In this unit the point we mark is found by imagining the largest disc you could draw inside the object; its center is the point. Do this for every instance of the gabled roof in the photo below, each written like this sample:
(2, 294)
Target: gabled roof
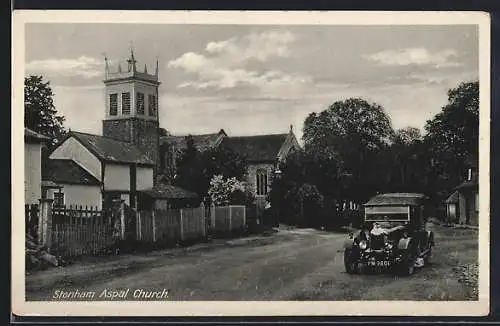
(256, 148)
(169, 191)
(202, 142)
(468, 184)
(33, 136)
(62, 171)
(111, 150)
(396, 199)
(452, 199)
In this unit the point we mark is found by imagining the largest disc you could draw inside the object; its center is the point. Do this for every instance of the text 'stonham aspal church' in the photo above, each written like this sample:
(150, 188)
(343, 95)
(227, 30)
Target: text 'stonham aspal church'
(133, 150)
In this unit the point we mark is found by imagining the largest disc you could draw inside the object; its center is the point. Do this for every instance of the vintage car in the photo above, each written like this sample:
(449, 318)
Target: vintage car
(393, 237)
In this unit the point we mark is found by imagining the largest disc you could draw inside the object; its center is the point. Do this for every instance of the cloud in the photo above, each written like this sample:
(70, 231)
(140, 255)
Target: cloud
(82, 66)
(225, 64)
(415, 56)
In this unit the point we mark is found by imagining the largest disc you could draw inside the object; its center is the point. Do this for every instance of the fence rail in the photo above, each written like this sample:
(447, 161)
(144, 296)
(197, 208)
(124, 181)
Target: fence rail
(78, 230)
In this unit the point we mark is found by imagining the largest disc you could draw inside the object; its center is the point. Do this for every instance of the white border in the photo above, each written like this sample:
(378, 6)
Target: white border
(259, 308)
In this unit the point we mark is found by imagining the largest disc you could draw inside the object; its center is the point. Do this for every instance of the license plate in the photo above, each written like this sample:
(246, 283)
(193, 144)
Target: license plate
(379, 263)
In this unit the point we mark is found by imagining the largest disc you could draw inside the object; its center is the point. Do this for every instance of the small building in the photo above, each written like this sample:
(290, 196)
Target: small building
(452, 209)
(33, 143)
(166, 196)
(68, 184)
(467, 203)
(120, 168)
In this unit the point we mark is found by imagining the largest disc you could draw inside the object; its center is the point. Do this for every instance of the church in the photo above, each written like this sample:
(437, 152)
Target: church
(126, 160)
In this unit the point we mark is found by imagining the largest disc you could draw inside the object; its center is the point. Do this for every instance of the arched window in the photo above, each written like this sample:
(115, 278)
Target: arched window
(261, 182)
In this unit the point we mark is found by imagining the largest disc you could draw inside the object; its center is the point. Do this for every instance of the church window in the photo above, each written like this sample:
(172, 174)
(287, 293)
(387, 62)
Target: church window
(113, 104)
(126, 103)
(140, 103)
(152, 105)
(261, 182)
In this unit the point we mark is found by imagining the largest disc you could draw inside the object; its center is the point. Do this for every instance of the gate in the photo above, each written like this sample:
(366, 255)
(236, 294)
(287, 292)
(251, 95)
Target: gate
(130, 223)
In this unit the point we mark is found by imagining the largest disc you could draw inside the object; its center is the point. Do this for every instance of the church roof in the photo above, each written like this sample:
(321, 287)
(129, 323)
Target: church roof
(260, 148)
(202, 142)
(64, 171)
(109, 149)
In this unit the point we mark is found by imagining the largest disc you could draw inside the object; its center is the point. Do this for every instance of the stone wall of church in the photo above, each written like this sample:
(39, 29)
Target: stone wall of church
(143, 133)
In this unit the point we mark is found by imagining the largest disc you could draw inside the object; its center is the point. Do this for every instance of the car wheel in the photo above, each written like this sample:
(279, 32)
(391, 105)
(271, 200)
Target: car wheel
(350, 264)
(406, 267)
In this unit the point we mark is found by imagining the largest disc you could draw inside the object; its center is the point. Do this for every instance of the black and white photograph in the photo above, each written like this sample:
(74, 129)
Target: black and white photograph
(232, 163)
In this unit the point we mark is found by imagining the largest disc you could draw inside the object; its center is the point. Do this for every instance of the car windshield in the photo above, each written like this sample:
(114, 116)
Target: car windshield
(387, 213)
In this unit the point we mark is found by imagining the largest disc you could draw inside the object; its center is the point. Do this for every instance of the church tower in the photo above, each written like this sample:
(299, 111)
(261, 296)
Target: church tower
(132, 107)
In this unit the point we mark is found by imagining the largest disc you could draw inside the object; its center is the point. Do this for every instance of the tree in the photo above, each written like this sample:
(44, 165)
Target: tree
(453, 136)
(358, 132)
(195, 169)
(405, 160)
(188, 175)
(40, 113)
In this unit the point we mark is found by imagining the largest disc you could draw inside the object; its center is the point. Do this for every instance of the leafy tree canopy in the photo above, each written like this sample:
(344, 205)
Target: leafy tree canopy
(40, 113)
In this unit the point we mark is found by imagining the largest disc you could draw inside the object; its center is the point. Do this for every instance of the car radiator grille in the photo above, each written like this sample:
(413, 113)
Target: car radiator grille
(377, 242)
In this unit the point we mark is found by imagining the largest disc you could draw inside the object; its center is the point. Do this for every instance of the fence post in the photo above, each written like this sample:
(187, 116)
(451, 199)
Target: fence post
(212, 216)
(202, 220)
(230, 218)
(122, 218)
(153, 220)
(182, 226)
(244, 216)
(45, 222)
(138, 226)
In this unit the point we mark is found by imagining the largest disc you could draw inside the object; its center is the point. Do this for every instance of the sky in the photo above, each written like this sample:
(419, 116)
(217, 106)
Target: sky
(255, 79)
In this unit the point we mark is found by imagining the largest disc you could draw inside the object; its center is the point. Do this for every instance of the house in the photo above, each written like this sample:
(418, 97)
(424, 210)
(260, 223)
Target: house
(69, 184)
(463, 203)
(120, 168)
(263, 154)
(33, 143)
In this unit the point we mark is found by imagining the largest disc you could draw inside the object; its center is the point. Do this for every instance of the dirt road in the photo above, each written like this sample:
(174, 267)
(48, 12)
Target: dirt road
(290, 265)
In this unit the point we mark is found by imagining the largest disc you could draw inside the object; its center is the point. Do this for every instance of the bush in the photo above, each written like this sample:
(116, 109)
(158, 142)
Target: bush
(228, 191)
(303, 206)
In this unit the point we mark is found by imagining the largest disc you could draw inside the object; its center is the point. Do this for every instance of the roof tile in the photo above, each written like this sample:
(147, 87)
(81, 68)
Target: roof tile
(108, 149)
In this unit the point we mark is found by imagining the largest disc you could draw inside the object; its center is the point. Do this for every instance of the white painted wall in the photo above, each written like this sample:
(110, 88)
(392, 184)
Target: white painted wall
(144, 178)
(117, 177)
(84, 195)
(73, 149)
(32, 173)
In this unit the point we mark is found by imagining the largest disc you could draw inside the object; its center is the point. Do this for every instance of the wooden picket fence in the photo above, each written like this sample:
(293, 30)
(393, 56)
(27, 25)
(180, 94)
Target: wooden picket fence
(78, 231)
(187, 224)
(171, 226)
(227, 219)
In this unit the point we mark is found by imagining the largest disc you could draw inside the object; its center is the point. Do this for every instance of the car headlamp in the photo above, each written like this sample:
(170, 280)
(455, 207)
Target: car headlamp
(363, 245)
